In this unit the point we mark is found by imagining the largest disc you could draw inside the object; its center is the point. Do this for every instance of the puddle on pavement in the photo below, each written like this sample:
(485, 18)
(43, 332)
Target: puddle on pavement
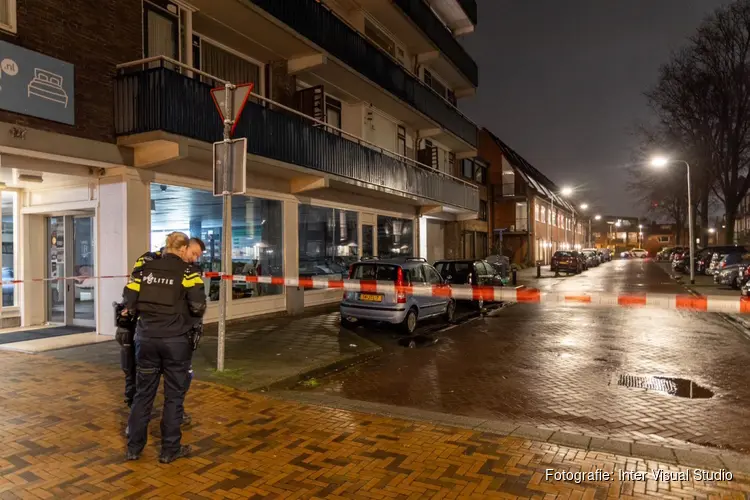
(680, 387)
(418, 341)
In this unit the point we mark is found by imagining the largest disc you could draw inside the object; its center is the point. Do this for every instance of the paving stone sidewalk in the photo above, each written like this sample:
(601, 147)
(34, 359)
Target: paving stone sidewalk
(262, 353)
(61, 428)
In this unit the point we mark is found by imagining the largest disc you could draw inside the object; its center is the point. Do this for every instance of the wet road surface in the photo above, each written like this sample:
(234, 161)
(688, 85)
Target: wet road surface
(560, 366)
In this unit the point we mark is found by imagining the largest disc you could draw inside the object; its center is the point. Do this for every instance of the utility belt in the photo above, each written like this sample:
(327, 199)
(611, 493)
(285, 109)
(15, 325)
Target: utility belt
(125, 324)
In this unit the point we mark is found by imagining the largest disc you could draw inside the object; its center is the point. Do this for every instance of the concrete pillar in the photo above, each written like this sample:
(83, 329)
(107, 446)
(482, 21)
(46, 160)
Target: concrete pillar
(123, 235)
(32, 235)
(295, 296)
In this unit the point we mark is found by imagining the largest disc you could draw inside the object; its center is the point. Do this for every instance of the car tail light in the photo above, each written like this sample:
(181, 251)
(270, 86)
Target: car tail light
(351, 271)
(400, 295)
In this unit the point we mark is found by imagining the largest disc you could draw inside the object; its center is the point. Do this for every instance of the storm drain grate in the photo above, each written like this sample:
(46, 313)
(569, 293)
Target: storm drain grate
(679, 387)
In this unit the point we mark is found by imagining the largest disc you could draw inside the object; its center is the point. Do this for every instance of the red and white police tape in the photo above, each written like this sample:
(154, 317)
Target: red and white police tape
(711, 303)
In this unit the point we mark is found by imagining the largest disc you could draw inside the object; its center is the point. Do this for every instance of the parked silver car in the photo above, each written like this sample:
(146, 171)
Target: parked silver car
(396, 308)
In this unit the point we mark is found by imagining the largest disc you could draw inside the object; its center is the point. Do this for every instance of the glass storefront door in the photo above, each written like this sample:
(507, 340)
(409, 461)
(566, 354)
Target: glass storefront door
(70, 255)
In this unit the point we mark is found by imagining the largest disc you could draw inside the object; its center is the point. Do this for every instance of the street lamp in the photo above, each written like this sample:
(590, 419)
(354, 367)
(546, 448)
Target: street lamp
(660, 162)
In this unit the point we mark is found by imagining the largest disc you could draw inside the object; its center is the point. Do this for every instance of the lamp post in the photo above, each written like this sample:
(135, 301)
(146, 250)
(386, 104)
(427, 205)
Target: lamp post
(596, 217)
(660, 162)
(565, 191)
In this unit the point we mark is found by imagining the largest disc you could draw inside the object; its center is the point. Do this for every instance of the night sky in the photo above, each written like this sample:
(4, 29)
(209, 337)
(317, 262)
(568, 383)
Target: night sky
(562, 82)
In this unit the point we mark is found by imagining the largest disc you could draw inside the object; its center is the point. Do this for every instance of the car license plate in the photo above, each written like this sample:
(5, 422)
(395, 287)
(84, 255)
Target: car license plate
(369, 297)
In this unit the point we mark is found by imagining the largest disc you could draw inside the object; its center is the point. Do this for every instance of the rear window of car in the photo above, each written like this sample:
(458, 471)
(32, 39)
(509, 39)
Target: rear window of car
(562, 254)
(378, 272)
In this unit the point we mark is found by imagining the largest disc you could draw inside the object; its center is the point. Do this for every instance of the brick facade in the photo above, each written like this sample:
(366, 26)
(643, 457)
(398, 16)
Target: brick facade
(95, 36)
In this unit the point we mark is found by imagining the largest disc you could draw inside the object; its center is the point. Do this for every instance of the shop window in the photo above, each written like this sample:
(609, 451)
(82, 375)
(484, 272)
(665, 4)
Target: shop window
(328, 241)
(9, 253)
(395, 237)
(257, 231)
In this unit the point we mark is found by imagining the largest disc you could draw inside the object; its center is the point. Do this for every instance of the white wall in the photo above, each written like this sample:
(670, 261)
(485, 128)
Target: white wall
(435, 240)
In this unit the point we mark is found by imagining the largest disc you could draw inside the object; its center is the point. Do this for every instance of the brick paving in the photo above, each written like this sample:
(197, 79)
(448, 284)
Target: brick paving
(557, 367)
(261, 352)
(61, 428)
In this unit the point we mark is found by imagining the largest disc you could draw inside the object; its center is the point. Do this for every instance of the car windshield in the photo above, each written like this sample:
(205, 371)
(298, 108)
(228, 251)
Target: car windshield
(377, 272)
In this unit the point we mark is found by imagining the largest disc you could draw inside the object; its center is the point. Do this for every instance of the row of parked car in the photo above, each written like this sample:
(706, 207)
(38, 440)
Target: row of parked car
(406, 310)
(575, 262)
(728, 264)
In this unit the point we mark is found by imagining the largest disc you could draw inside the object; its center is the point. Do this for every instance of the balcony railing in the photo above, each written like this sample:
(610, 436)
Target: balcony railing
(162, 99)
(423, 16)
(320, 25)
(470, 8)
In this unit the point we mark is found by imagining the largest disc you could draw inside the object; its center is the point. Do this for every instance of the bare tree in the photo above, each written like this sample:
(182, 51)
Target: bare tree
(703, 96)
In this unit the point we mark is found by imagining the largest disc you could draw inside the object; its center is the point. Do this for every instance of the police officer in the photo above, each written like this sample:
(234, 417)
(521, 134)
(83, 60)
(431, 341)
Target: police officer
(126, 324)
(167, 296)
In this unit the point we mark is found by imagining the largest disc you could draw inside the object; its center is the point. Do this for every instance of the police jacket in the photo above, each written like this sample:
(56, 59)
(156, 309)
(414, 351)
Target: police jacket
(167, 295)
(146, 257)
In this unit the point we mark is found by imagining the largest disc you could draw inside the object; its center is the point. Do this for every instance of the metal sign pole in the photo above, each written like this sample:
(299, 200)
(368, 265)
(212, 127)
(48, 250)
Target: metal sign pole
(226, 227)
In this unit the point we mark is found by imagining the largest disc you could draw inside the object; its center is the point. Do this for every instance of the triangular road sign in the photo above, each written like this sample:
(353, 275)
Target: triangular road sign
(237, 101)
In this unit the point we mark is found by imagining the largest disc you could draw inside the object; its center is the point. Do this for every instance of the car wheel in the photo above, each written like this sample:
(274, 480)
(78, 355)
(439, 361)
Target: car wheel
(557, 274)
(450, 312)
(349, 324)
(737, 283)
(410, 322)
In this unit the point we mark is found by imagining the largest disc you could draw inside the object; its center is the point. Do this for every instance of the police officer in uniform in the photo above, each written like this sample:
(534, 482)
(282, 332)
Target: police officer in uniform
(126, 323)
(167, 296)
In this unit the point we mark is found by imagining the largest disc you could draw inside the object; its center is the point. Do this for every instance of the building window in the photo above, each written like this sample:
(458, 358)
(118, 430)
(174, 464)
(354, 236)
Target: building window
(224, 64)
(257, 229)
(161, 30)
(395, 236)
(8, 15)
(480, 174)
(482, 210)
(544, 215)
(435, 84)
(333, 115)
(522, 217)
(379, 38)
(467, 168)
(9, 200)
(401, 141)
(328, 241)
(536, 212)
(663, 239)
(509, 180)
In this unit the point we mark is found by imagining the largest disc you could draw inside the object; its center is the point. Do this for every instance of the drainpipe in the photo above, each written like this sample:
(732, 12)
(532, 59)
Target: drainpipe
(529, 222)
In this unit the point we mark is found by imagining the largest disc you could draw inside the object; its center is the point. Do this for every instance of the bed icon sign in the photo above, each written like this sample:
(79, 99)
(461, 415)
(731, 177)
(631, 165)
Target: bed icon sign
(48, 85)
(35, 84)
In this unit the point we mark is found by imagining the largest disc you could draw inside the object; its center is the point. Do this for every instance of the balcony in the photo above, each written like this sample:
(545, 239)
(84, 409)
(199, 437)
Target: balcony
(433, 27)
(321, 26)
(470, 8)
(160, 99)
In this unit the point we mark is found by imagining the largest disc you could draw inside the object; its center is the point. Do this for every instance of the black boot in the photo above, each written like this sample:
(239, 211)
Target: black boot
(132, 455)
(184, 451)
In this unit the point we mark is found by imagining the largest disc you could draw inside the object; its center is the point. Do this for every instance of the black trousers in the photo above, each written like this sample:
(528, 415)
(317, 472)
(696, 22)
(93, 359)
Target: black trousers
(128, 365)
(156, 356)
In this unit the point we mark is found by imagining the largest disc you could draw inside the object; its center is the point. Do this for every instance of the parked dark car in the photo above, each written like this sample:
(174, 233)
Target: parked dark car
(469, 272)
(567, 262)
(718, 255)
(732, 272)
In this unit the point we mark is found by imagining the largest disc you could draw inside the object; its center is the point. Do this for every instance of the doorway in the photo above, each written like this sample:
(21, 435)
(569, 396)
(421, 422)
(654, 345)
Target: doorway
(71, 289)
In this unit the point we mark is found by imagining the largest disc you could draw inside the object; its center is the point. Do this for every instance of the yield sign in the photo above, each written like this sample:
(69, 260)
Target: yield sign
(237, 96)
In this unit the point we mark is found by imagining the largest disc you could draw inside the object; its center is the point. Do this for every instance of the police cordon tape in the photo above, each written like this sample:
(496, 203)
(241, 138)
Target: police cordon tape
(700, 303)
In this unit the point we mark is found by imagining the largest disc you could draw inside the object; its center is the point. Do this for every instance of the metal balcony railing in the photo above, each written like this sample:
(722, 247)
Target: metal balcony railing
(159, 98)
(319, 24)
(423, 16)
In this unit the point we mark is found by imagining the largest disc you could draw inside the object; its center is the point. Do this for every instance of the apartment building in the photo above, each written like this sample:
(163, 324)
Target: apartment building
(355, 141)
(529, 218)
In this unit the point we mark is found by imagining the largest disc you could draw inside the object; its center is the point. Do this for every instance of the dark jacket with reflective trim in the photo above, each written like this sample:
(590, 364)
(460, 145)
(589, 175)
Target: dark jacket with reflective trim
(146, 257)
(167, 295)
